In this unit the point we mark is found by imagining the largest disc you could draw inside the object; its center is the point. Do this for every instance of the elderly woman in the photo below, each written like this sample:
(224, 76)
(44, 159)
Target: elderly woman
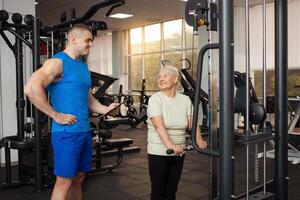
(169, 115)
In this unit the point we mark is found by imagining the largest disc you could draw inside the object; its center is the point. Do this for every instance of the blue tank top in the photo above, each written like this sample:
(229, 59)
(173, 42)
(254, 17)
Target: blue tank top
(69, 95)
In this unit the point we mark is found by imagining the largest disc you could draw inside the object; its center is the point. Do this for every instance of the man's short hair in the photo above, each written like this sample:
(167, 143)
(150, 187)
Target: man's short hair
(81, 27)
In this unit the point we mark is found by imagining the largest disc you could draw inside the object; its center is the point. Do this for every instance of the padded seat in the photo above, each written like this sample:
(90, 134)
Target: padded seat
(118, 143)
(102, 133)
(12, 142)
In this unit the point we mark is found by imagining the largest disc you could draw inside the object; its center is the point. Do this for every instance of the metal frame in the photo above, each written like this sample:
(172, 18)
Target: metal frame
(281, 99)
(226, 98)
(226, 58)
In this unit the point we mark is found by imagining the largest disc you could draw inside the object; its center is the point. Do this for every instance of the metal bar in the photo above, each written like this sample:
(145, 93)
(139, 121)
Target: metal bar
(52, 44)
(113, 7)
(212, 182)
(253, 190)
(247, 171)
(19, 88)
(15, 33)
(256, 163)
(37, 133)
(265, 172)
(247, 38)
(264, 88)
(1, 109)
(7, 166)
(212, 125)
(264, 55)
(202, 52)
(200, 62)
(281, 66)
(9, 44)
(92, 10)
(226, 69)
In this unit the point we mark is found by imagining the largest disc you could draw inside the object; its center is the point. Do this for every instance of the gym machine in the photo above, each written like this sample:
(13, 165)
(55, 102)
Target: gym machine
(104, 145)
(19, 142)
(34, 142)
(196, 12)
(136, 118)
(101, 83)
(293, 134)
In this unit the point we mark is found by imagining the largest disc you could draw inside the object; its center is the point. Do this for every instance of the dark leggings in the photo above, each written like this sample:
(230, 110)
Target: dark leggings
(164, 173)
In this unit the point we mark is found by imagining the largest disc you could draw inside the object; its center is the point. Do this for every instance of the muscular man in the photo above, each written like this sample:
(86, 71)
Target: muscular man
(67, 79)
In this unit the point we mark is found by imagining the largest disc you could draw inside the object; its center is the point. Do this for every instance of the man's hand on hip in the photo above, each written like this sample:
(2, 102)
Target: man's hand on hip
(62, 118)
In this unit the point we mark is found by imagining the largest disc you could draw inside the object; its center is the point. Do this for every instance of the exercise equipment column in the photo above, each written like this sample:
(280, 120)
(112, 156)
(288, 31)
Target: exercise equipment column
(264, 91)
(247, 92)
(213, 122)
(281, 128)
(226, 58)
(37, 132)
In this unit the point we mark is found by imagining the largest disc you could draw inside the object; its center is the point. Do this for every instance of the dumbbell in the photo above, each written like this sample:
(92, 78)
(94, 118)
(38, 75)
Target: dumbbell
(17, 18)
(3, 15)
(28, 19)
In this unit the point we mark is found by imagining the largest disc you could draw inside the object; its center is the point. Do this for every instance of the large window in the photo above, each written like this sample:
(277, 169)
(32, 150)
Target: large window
(135, 41)
(149, 45)
(152, 38)
(173, 35)
(174, 58)
(152, 67)
(136, 69)
(292, 84)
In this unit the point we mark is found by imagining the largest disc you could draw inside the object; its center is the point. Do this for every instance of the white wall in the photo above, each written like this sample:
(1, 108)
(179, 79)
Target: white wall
(239, 39)
(108, 57)
(8, 116)
(293, 36)
(256, 37)
(100, 57)
(119, 53)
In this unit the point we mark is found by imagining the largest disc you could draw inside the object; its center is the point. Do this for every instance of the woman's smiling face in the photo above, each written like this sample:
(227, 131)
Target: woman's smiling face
(166, 80)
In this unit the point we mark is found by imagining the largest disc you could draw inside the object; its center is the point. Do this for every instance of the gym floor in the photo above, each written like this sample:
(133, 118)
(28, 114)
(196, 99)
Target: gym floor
(131, 180)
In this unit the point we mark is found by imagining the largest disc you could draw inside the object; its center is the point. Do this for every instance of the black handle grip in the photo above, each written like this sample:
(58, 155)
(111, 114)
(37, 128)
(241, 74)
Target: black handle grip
(186, 148)
(170, 151)
(207, 152)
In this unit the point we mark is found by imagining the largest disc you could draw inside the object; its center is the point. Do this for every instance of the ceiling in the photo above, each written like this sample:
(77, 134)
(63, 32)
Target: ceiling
(145, 11)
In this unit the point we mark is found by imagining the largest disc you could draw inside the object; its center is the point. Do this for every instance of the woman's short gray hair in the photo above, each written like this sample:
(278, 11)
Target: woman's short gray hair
(171, 69)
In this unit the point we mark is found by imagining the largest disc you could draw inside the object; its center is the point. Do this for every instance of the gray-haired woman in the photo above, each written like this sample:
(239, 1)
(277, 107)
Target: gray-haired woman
(169, 115)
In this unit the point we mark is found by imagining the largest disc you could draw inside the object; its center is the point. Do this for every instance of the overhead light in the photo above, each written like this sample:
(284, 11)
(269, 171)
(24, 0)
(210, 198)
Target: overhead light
(121, 15)
(183, 0)
(36, 3)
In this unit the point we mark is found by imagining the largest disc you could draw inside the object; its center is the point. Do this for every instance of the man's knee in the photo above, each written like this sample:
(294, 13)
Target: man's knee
(63, 182)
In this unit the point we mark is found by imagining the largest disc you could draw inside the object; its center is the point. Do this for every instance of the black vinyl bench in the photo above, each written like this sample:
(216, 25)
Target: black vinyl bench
(118, 143)
(108, 146)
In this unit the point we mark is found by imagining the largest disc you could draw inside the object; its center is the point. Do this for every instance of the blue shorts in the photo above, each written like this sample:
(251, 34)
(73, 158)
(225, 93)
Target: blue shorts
(72, 153)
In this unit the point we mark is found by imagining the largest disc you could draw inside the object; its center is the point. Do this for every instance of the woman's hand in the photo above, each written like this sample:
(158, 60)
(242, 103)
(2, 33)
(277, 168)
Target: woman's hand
(178, 149)
(202, 144)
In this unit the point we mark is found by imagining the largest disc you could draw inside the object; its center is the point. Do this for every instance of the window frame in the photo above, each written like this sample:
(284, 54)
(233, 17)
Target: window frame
(162, 51)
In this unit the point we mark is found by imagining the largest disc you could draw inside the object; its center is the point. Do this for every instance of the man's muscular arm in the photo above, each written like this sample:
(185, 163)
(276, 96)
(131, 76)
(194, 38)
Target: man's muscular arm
(97, 107)
(35, 90)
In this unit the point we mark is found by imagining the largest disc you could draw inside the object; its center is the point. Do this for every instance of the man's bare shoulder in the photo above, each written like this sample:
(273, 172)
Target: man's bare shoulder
(52, 66)
(56, 62)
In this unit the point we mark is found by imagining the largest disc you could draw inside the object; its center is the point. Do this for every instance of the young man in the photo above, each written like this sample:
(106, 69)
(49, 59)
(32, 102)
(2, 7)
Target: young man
(67, 79)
